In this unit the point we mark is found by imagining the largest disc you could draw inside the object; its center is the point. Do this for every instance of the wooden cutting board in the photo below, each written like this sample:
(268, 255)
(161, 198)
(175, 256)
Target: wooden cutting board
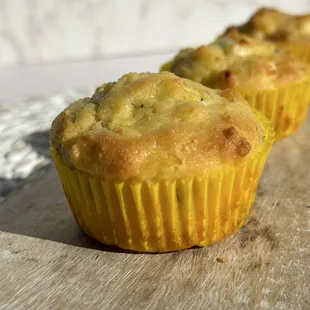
(47, 263)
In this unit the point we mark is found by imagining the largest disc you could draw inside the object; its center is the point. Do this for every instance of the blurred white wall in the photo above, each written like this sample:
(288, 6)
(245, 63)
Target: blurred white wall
(53, 31)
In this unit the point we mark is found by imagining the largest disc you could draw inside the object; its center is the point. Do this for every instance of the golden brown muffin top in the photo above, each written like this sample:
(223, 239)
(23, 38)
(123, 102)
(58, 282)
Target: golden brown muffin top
(238, 61)
(274, 25)
(156, 126)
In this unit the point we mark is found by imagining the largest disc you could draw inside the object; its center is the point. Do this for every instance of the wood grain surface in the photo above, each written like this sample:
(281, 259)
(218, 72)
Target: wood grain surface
(47, 263)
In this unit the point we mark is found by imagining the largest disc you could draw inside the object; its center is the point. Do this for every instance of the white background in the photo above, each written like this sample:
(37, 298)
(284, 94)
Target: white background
(57, 31)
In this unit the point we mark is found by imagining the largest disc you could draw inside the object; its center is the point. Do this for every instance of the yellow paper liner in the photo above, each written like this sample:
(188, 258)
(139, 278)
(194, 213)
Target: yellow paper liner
(300, 50)
(286, 107)
(151, 216)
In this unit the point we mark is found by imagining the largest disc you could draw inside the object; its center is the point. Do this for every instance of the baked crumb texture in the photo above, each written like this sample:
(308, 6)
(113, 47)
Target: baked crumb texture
(156, 126)
(288, 32)
(274, 25)
(238, 61)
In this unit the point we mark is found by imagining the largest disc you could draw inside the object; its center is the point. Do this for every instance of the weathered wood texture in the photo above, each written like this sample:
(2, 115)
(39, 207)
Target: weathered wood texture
(47, 263)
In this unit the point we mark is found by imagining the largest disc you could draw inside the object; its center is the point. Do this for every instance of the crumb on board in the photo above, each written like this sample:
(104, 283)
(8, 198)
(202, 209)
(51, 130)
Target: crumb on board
(221, 260)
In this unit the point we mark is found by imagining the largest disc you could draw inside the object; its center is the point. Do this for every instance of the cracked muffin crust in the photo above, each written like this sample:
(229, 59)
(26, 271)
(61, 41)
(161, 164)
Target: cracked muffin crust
(289, 32)
(240, 62)
(274, 25)
(155, 126)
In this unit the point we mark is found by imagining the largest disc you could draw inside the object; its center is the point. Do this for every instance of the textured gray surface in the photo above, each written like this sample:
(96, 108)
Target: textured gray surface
(47, 263)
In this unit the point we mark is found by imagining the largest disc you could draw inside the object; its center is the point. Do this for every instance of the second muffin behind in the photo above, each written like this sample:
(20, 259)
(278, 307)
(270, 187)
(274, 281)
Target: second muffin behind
(274, 82)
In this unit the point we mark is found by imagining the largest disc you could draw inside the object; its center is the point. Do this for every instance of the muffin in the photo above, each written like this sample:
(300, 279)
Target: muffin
(157, 163)
(291, 32)
(273, 82)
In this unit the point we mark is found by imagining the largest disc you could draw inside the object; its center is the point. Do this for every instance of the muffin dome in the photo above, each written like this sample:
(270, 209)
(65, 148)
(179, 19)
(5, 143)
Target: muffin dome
(289, 32)
(272, 24)
(156, 126)
(238, 61)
